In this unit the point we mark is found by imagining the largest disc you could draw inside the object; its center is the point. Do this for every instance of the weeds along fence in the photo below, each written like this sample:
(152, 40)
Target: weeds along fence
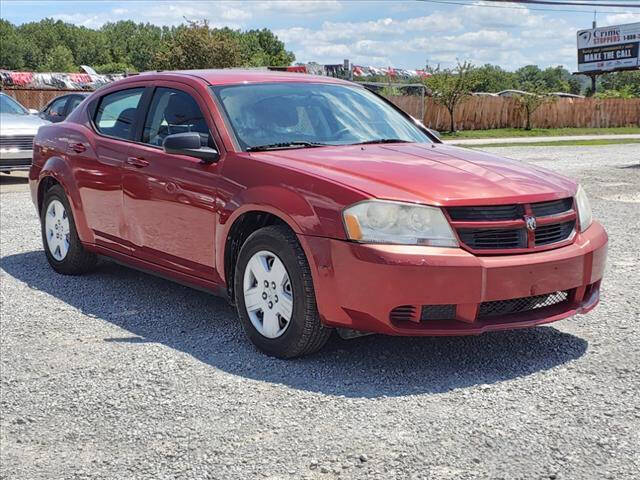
(478, 113)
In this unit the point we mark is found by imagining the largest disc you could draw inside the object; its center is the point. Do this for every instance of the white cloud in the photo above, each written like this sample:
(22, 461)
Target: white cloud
(622, 18)
(298, 7)
(378, 33)
(499, 16)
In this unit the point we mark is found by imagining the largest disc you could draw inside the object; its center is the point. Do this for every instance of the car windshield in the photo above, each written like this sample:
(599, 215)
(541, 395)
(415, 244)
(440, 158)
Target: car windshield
(9, 105)
(303, 115)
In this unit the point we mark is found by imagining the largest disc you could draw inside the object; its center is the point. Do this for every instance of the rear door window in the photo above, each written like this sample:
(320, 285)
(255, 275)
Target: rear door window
(116, 113)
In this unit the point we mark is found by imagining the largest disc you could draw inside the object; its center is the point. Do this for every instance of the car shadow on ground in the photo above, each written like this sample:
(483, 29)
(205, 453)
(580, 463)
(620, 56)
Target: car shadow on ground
(159, 311)
(13, 179)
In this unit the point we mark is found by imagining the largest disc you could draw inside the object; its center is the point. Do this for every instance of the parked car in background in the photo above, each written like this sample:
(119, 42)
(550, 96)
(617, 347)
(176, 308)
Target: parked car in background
(60, 107)
(313, 204)
(18, 127)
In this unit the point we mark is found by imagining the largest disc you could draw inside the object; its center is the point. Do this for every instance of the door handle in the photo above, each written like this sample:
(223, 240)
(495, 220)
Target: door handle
(137, 162)
(78, 147)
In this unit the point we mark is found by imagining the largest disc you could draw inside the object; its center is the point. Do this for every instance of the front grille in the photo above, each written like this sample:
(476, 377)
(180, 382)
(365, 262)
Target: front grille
(488, 213)
(556, 232)
(17, 142)
(555, 207)
(486, 239)
(512, 233)
(437, 312)
(520, 305)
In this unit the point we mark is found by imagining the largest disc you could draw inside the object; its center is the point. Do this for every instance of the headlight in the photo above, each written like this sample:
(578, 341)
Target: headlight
(584, 209)
(380, 221)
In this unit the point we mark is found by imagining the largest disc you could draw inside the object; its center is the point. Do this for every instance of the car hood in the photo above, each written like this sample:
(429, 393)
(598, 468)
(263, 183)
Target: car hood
(12, 124)
(438, 174)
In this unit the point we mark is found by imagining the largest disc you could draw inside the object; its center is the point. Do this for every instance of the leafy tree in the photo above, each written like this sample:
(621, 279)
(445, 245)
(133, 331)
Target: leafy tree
(624, 92)
(196, 46)
(60, 59)
(529, 74)
(451, 87)
(628, 82)
(115, 67)
(492, 78)
(11, 51)
(133, 43)
(263, 48)
(136, 46)
(532, 100)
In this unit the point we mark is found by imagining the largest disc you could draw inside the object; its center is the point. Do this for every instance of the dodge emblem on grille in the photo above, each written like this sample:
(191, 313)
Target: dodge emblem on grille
(530, 222)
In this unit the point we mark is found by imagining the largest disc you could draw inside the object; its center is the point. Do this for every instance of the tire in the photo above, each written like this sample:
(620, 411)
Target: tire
(60, 240)
(303, 333)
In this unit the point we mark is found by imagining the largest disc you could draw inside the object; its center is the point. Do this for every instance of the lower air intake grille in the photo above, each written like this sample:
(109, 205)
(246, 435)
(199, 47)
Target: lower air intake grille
(519, 305)
(438, 312)
(403, 313)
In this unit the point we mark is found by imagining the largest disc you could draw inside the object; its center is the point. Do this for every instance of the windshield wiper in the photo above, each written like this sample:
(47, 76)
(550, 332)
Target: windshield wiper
(382, 140)
(282, 145)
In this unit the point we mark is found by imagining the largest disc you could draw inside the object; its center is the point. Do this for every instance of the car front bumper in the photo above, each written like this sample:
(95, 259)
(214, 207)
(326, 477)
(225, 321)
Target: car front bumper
(15, 160)
(357, 286)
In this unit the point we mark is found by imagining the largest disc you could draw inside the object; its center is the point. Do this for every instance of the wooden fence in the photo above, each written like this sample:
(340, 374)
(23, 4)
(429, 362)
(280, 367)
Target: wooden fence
(35, 98)
(475, 113)
(478, 113)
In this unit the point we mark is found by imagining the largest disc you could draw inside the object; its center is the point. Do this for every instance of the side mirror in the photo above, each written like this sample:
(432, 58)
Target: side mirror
(33, 111)
(189, 143)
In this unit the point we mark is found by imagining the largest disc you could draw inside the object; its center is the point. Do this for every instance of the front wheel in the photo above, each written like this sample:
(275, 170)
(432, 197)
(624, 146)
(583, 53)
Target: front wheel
(274, 295)
(60, 239)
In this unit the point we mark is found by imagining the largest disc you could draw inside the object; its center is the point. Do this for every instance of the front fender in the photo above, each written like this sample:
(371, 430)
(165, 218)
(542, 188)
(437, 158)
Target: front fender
(300, 216)
(58, 168)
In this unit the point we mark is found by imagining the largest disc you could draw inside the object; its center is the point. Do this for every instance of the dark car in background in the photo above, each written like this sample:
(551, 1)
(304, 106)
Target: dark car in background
(60, 107)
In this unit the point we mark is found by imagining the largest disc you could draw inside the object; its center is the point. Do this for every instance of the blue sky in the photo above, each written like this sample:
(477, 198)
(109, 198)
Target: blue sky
(404, 34)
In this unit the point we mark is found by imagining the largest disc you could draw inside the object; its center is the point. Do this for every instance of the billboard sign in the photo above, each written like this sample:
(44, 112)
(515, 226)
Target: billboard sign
(609, 48)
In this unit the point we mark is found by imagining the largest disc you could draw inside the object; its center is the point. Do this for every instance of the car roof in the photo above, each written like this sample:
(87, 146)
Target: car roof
(239, 76)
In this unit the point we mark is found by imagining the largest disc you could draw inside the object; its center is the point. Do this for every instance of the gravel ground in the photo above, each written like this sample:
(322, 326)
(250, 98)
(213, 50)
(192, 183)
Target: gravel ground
(119, 374)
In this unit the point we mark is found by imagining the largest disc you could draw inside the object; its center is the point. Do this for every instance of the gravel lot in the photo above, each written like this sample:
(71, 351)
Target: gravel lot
(119, 374)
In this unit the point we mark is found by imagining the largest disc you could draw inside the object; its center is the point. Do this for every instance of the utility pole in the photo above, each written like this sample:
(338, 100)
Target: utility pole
(594, 77)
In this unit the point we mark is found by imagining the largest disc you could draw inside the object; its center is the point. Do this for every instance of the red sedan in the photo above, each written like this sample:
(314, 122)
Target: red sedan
(312, 204)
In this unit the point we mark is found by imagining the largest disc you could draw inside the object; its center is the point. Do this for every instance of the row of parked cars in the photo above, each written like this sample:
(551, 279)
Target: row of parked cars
(19, 125)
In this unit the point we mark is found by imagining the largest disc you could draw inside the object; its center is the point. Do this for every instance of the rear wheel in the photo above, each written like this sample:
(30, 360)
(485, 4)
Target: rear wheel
(275, 297)
(60, 239)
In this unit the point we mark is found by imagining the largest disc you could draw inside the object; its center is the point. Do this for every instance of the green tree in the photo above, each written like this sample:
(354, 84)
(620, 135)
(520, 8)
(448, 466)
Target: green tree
(529, 102)
(529, 74)
(196, 46)
(115, 67)
(133, 43)
(60, 59)
(492, 78)
(11, 47)
(451, 87)
(628, 82)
